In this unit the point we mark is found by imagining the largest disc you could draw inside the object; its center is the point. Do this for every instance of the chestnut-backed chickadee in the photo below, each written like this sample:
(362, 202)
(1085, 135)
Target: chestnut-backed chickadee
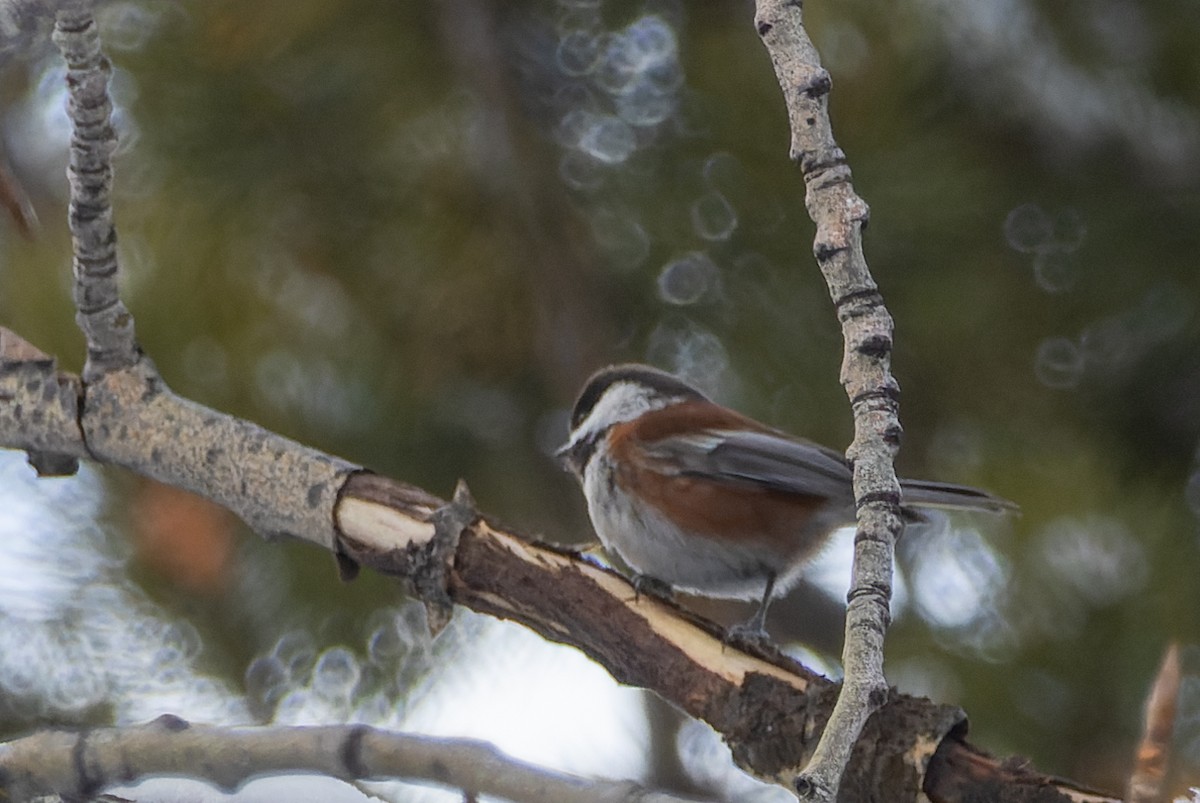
(708, 501)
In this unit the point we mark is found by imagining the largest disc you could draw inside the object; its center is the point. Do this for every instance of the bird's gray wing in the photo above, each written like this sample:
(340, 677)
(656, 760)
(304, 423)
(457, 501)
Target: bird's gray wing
(761, 459)
(793, 465)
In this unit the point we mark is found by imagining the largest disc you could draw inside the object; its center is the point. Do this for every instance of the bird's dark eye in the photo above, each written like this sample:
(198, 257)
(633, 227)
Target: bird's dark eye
(575, 456)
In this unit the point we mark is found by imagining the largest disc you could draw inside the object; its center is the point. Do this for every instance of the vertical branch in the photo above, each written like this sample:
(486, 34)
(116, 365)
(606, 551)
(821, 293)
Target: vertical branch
(105, 322)
(840, 216)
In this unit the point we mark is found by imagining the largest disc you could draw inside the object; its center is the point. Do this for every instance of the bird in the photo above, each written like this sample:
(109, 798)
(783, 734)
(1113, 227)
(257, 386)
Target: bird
(696, 497)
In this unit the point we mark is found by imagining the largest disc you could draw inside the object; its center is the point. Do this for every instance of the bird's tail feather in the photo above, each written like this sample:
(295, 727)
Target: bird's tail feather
(928, 494)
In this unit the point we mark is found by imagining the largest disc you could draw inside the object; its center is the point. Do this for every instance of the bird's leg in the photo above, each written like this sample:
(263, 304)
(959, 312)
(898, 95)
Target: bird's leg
(755, 628)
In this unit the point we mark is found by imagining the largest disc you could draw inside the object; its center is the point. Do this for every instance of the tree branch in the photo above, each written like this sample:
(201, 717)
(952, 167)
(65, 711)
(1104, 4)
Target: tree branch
(78, 765)
(840, 216)
(1147, 781)
(105, 321)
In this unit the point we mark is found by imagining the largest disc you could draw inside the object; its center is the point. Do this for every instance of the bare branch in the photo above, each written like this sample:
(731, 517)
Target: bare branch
(80, 764)
(1150, 762)
(39, 406)
(106, 323)
(960, 773)
(15, 200)
(840, 216)
(130, 418)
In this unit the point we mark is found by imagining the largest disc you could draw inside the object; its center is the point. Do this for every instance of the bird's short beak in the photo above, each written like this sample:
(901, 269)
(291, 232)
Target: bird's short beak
(564, 457)
(572, 456)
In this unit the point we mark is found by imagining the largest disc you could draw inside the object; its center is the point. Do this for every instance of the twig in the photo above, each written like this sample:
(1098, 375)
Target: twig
(1150, 761)
(78, 765)
(15, 200)
(867, 331)
(106, 323)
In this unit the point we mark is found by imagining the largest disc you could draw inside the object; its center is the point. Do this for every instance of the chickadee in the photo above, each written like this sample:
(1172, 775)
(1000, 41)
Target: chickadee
(711, 502)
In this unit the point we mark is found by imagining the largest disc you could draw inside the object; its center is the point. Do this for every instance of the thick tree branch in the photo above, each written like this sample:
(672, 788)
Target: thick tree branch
(840, 216)
(130, 418)
(77, 765)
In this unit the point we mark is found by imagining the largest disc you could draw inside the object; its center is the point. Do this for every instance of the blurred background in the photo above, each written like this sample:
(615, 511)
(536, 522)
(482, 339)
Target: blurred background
(405, 233)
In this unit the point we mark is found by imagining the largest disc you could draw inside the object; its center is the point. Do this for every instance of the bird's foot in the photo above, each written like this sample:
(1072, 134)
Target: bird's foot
(750, 637)
(644, 584)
